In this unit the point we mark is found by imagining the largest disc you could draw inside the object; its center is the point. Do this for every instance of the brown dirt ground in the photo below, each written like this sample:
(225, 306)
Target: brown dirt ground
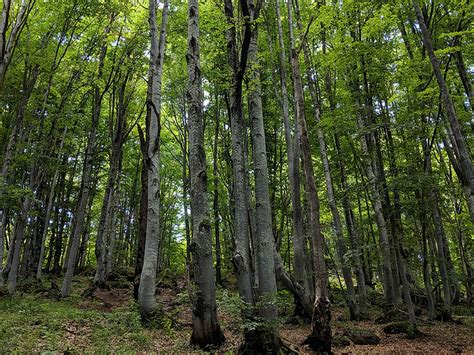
(439, 337)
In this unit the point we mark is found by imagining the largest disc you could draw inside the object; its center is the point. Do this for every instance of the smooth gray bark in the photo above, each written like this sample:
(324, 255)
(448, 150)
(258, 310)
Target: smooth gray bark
(146, 291)
(206, 329)
(433, 198)
(267, 288)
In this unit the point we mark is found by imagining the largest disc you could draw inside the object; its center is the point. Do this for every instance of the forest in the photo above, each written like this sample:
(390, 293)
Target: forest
(237, 176)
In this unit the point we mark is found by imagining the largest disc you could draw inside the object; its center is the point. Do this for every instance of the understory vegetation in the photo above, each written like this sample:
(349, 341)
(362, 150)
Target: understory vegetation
(38, 320)
(244, 176)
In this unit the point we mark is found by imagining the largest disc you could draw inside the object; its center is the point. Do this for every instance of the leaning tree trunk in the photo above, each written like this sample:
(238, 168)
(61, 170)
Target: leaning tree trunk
(320, 338)
(206, 329)
(80, 214)
(146, 291)
(456, 135)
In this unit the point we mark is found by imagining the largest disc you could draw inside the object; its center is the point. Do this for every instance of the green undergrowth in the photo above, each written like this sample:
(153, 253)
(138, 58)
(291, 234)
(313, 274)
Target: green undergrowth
(33, 324)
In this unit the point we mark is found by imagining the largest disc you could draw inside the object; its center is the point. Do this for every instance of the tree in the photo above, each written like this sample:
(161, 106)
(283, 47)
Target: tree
(206, 330)
(320, 338)
(87, 170)
(146, 292)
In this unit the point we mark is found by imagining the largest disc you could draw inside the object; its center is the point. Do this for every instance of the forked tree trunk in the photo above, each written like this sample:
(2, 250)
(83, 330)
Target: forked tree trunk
(206, 330)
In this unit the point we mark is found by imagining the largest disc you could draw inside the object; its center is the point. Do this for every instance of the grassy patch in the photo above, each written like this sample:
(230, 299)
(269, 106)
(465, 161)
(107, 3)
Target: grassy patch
(32, 324)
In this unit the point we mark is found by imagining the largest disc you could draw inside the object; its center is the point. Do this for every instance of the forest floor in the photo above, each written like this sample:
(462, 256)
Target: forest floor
(108, 321)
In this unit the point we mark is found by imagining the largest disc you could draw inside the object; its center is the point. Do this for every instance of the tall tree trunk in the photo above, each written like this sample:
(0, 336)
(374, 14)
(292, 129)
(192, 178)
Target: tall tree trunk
(341, 247)
(242, 256)
(293, 152)
(106, 230)
(266, 338)
(146, 291)
(320, 338)
(206, 329)
(29, 82)
(425, 255)
(20, 233)
(87, 180)
(215, 202)
(353, 232)
(103, 228)
(376, 198)
(109, 264)
(142, 216)
(48, 211)
(3, 227)
(80, 214)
